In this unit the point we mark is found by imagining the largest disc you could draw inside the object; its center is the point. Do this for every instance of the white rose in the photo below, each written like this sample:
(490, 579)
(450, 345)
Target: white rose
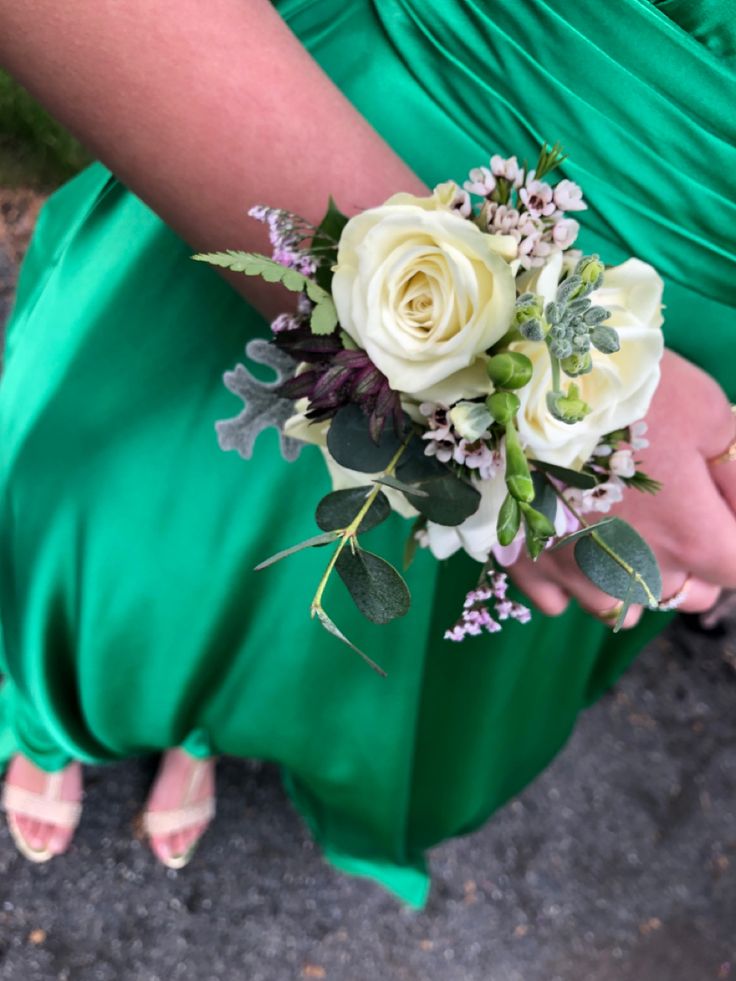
(299, 427)
(477, 534)
(425, 293)
(620, 386)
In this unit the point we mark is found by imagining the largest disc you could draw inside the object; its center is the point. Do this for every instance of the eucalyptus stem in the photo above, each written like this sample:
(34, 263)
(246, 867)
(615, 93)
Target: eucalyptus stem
(349, 532)
(605, 547)
(556, 377)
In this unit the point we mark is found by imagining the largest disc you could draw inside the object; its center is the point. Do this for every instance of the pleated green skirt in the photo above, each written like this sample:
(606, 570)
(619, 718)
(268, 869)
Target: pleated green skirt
(131, 617)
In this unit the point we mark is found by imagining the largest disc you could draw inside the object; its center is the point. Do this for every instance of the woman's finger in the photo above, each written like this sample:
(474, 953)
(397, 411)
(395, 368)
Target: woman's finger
(705, 542)
(698, 596)
(545, 594)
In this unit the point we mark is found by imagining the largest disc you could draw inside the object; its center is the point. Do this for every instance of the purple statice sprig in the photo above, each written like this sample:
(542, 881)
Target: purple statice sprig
(288, 233)
(518, 202)
(476, 616)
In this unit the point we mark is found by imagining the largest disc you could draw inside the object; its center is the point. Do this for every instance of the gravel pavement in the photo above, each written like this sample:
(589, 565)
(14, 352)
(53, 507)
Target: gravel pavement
(619, 862)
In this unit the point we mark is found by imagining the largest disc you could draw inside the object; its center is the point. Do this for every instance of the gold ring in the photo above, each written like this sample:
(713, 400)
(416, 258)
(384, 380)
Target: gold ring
(679, 597)
(729, 454)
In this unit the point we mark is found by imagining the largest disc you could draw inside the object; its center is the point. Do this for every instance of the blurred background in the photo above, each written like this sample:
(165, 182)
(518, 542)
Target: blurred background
(618, 863)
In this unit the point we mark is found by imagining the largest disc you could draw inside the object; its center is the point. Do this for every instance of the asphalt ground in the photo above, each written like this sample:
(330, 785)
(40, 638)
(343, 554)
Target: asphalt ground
(619, 862)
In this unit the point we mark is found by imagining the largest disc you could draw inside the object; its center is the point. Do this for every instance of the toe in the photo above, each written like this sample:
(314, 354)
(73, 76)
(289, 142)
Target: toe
(161, 847)
(38, 835)
(59, 840)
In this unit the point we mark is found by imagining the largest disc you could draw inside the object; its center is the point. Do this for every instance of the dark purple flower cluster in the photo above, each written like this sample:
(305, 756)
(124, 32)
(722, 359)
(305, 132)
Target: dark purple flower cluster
(335, 377)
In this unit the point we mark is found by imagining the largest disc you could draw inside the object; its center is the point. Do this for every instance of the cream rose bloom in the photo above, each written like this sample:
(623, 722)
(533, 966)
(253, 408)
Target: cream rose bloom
(424, 292)
(299, 427)
(620, 386)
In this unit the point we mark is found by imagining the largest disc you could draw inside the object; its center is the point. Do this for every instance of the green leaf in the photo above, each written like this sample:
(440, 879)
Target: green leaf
(580, 533)
(376, 587)
(447, 499)
(323, 319)
(333, 629)
(255, 264)
(582, 479)
(399, 485)
(325, 242)
(545, 499)
(350, 443)
(309, 543)
(597, 555)
(339, 508)
(509, 519)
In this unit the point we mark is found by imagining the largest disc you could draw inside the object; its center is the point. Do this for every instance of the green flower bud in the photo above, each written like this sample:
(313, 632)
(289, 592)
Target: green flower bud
(509, 519)
(528, 307)
(579, 363)
(538, 523)
(605, 339)
(590, 269)
(518, 478)
(470, 419)
(568, 408)
(510, 369)
(503, 406)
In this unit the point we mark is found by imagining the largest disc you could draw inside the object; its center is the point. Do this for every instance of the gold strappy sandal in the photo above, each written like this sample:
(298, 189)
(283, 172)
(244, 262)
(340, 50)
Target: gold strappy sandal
(47, 806)
(160, 823)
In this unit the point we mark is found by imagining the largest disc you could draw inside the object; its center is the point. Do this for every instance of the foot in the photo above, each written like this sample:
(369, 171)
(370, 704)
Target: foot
(42, 839)
(182, 799)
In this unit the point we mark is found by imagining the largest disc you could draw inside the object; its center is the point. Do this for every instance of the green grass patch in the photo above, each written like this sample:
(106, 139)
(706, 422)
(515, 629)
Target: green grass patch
(35, 150)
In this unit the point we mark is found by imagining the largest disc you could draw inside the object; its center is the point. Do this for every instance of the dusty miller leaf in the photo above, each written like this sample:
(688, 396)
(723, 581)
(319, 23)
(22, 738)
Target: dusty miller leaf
(263, 407)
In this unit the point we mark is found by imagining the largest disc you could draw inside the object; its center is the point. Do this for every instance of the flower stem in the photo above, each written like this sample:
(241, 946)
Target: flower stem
(350, 532)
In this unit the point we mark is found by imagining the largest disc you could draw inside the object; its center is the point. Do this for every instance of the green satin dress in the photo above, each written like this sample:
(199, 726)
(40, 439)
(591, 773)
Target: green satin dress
(131, 617)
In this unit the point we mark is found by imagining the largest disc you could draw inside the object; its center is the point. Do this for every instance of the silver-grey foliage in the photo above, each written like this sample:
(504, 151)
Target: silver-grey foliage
(263, 406)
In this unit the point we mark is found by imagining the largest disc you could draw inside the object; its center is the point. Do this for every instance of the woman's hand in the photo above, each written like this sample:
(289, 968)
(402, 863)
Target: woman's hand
(690, 524)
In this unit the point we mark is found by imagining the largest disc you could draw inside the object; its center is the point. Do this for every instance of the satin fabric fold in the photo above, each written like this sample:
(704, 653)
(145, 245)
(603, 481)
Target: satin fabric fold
(131, 618)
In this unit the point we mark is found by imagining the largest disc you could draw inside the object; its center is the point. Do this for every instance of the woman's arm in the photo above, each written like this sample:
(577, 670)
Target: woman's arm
(203, 109)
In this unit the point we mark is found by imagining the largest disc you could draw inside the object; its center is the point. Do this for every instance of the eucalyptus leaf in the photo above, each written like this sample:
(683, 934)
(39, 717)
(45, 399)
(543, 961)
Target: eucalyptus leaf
(313, 542)
(399, 485)
(448, 500)
(580, 533)
(376, 587)
(350, 443)
(340, 508)
(593, 555)
(582, 479)
(333, 629)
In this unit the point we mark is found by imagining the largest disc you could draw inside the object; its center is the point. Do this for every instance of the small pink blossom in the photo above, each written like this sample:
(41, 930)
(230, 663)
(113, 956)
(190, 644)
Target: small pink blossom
(636, 435)
(622, 463)
(478, 456)
(569, 196)
(564, 232)
(603, 497)
(507, 167)
(284, 322)
(538, 198)
(481, 182)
